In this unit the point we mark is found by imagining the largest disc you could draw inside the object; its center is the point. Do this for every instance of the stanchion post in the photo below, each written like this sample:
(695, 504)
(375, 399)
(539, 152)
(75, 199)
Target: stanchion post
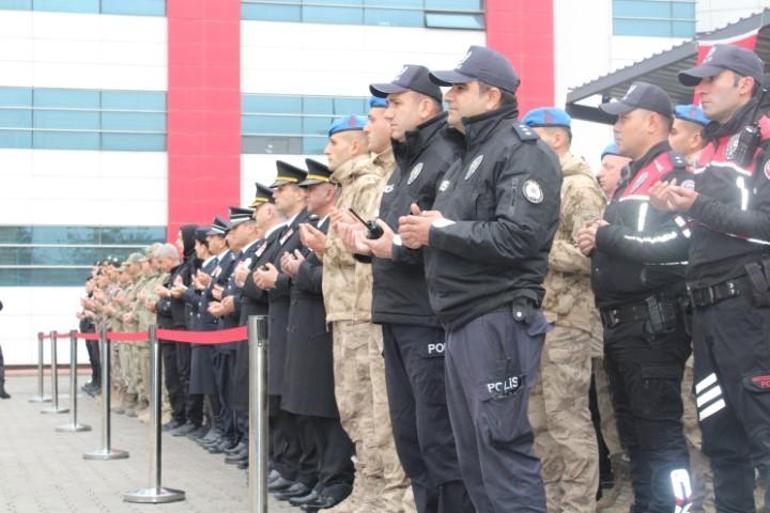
(55, 408)
(155, 493)
(106, 452)
(73, 426)
(40, 398)
(258, 413)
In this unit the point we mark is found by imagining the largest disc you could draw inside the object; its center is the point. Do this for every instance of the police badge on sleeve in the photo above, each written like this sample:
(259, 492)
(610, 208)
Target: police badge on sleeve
(416, 170)
(474, 166)
(532, 192)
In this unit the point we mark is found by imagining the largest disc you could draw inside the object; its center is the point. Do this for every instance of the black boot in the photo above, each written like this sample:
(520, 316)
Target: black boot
(3, 393)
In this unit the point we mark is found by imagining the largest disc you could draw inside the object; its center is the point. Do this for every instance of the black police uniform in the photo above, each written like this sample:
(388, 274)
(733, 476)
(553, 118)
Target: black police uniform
(201, 370)
(308, 379)
(645, 340)
(727, 281)
(484, 274)
(413, 339)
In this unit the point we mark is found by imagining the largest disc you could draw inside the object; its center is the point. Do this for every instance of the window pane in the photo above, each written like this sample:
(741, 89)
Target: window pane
(642, 28)
(134, 235)
(272, 125)
(136, 7)
(15, 256)
(335, 2)
(641, 9)
(15, 234)
(415, 4)
(133, 121)
(345, 106)
(133, 100)
(683, 29)
(66, 98)
(271, 145)
(266, 103)
(22, 5)
(15, 97)
(455, 21)
(20, 118)
(43, 277)
(683, 11)
(317, 125)
(455, 5)
(66, 119)
(66, 6)
(313, 145)
(15, 139)
(393, 18)
(133, 142)
(341, 15)
(318, 105)
(63, 235)
(271, 12)
(66, 140)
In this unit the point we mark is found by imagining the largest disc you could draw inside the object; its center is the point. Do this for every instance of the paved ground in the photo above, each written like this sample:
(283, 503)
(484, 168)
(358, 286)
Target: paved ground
(42, 471)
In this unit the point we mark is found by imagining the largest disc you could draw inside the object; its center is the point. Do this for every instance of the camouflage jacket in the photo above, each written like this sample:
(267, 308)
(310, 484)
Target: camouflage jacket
(147, 293)
(347, 283)
(569, 301)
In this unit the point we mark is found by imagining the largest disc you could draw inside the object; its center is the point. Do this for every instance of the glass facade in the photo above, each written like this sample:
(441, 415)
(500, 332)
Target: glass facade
(34, 256)
(285, 124)
(454, 14)
(657, 18)
(126, 7)
(76, 119)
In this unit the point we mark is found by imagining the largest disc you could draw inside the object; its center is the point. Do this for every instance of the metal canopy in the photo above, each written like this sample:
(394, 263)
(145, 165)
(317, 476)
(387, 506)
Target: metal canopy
(662, 69)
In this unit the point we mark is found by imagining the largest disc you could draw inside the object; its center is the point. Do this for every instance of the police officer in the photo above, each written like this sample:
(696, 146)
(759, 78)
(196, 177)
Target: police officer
(486, 244)
(565, 439)
(727, 272)
(424, 147)
(645, 340)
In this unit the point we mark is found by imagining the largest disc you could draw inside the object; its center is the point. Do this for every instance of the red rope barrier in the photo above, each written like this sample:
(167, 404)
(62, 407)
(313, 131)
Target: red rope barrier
(123, 336)
(88, 336)
(63, 335)
(205, 337)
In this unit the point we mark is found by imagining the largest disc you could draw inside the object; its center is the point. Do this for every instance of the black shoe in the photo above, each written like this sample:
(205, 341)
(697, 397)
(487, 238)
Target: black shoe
(272, 476)
(220, 447)
(199, 434)
(237, 448)
(279, 484)
(4, 394)
(295, 490)
(243, 465)
(184, 429)
(329, 497)
(172, 424)
(305, 499)
(237, 457)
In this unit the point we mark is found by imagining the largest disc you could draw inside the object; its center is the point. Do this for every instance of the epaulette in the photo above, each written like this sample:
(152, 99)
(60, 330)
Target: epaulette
(678, 161)
(524, 132)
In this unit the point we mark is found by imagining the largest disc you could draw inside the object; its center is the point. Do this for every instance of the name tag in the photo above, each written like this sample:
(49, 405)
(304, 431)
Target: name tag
(504, 387)
(286, 236)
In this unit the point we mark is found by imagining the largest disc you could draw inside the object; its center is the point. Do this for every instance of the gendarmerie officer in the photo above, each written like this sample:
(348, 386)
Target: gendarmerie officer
(308, 380)
(486, 252)
(645, 340)
(727, 275)
(424, 147)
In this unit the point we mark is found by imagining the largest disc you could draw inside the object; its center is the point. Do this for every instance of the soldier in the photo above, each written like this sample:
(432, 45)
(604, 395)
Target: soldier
(486, 241)
(611, 170)
(565, 439)
(308, 381)
(687, 138)
(727, 203)
(424, 147)
(146, 314)
(645, 340)
(347, 289)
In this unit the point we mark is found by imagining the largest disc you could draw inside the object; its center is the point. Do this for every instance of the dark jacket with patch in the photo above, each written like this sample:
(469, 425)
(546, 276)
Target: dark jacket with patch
(643, 251)
(503, 197)
(400, 295)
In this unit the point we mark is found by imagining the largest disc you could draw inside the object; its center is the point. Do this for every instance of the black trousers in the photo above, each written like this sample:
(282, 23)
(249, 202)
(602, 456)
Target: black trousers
(414, 374)
(92, 346)
(645, 373)
(176, 363)
(285, 443)
(2, 369)
(491, 363)
(732, 387)
(222, 361)
(333, 449)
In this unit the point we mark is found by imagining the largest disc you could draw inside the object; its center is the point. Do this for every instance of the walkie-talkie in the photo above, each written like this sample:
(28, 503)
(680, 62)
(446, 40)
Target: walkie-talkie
(749, 138)
(373, 230)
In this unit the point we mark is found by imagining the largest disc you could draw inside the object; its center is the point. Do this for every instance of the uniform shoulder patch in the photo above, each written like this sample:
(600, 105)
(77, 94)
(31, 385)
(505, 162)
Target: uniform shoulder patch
(524, 132)
(677, 160)
(532, 192)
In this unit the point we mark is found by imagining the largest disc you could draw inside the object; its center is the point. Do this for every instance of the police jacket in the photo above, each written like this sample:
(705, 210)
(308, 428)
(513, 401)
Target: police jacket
(171, 310)
(400, 295)
(731, 216)
(501, 202)
(199, 319)
(643, 251)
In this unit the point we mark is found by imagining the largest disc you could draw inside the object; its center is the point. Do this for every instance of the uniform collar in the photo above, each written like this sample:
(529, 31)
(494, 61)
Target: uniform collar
(572, 165)
(348, 170)
(648, 157)
(250, 245)
(741, 118)
(208, 261)
(416, 140)
(479, 128)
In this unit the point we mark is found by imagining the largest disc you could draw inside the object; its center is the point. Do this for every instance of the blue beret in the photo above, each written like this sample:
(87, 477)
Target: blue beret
(610, 149)
(378, 103)
(347, 123)
(691, 113)
(548, 116)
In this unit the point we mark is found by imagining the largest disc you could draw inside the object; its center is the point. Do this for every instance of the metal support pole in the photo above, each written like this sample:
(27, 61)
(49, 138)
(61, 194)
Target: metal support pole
(73, 426)
(258, 412)
(40, 398)
(106, 452)
(54, 379)
(155, 493)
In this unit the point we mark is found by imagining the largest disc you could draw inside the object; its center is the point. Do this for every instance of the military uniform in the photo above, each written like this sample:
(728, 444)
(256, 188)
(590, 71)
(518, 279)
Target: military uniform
(565, 439)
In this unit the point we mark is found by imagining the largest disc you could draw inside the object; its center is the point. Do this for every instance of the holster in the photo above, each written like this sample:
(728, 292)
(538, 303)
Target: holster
(759, 280)
(662, 314)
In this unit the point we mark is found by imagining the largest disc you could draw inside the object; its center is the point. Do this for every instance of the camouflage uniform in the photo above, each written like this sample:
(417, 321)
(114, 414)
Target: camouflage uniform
(127, 351)
(359, 379)
(144, 319)
(565, 439)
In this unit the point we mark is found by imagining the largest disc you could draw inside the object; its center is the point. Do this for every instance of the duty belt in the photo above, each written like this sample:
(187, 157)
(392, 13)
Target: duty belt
(611, 317)
(701, 297)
